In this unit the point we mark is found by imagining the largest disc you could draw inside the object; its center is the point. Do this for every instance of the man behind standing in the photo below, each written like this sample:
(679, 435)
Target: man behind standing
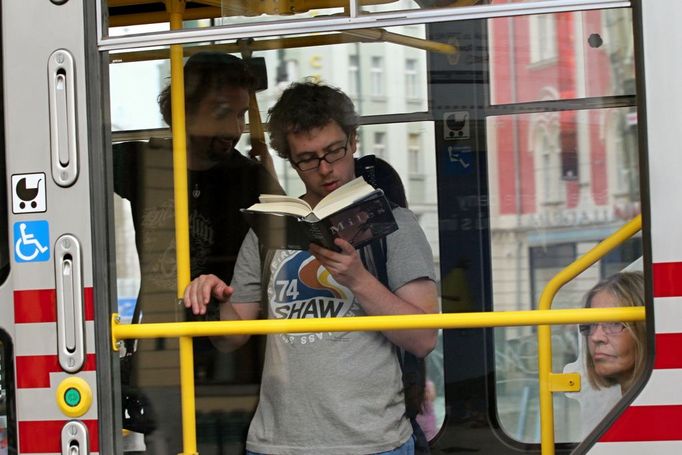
(327, 393)
(221, 181)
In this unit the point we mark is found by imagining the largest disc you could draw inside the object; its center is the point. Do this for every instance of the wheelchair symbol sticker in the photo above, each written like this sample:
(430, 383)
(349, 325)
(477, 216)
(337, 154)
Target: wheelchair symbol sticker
(458, 160)
(31, 241)
(28, 193)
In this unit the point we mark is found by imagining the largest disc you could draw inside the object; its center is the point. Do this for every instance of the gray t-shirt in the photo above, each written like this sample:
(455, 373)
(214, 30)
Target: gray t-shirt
(328, 393)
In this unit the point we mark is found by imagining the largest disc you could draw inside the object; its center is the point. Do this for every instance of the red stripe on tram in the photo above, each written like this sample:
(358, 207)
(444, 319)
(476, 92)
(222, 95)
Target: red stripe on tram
(45, 436)
(667, 279)
(668, 351)
(40, 305)
(33, 371)
(646, 423)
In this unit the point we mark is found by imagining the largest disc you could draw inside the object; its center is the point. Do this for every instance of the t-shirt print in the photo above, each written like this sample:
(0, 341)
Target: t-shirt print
(301, 288)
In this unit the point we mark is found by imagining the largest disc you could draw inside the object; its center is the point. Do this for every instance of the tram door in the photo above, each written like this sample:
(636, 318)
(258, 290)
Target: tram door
(56, 386)
(515, 139)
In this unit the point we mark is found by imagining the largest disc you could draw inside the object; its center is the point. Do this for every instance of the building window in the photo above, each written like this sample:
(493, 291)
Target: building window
(545, 263)
(377, 76)
(411, 78)
(379, 147)
(417, 185)
(292, 70)
(548, 169)
(414, 158)
(353, 75)
(543, 45)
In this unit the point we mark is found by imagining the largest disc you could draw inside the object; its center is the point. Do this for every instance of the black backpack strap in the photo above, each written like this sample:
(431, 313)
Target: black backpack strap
(365, 166)
(413, 368)
(266, 256)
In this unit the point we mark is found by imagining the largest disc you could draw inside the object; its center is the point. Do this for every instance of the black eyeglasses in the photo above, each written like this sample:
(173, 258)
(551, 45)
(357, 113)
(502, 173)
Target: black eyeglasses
(310, 164)
(609, 328)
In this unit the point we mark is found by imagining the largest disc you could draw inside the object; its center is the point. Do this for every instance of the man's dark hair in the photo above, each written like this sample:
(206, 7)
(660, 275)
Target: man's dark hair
(205, 72)
(304, 106)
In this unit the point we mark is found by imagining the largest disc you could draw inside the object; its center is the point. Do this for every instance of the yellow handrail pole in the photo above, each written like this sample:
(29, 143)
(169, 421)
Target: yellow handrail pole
(353, 36)
(373, 323)
(381, 35)
(176, 10)
(544, 331)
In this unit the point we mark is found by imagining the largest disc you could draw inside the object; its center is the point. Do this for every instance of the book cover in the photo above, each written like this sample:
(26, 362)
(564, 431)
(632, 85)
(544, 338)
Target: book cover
(360, 215)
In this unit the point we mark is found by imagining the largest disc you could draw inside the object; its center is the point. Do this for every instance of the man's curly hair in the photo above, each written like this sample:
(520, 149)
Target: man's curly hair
(305, 106)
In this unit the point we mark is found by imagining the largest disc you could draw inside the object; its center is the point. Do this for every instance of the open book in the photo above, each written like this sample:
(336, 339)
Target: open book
(355, 212)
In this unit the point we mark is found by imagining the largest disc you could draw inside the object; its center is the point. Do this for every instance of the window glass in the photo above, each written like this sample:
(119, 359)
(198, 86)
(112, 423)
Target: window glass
(532, 59)
(360, 69)
(227, 383)
(542, 219)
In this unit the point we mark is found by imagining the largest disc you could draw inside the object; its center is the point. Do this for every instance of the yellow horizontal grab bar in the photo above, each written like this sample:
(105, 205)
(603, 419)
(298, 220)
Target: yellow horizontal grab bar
(367, 323)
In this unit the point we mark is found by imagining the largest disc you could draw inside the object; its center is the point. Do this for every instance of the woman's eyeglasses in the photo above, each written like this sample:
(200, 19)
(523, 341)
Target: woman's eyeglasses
(609, 328)
(310, 164)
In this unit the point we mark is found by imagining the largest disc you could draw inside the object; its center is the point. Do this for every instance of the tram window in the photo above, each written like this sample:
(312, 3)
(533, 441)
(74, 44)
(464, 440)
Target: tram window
(622, 257)
(227, 383)
(538, 231)
(537, 47)
(134, 89)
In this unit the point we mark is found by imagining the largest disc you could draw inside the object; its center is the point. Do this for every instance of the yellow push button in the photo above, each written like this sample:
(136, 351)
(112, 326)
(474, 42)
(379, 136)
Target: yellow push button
(74, 396)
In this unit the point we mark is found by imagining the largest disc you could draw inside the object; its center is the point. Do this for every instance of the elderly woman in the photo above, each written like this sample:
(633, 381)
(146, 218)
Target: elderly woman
(616, 350)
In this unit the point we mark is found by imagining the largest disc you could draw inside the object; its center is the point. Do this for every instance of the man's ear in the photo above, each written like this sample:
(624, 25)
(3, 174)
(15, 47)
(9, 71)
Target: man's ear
(353, 142)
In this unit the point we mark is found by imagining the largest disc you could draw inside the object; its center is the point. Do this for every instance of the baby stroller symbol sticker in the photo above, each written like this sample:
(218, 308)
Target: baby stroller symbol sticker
(31, 241)
(29, 193)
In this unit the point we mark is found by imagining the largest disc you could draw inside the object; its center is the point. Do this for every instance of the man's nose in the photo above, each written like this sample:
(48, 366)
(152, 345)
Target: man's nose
(324, 168)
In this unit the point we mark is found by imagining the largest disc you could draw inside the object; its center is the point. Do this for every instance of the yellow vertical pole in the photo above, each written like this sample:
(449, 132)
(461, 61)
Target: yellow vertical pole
(189, 429)
(179, 157)
(545, 394)
(176, 10)
(544, 331)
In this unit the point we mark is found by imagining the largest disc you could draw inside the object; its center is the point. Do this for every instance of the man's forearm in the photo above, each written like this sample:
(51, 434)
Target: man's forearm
(229, 343)
(417, 297)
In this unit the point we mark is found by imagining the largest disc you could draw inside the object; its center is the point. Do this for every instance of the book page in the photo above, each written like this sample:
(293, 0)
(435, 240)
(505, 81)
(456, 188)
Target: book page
(345, 195)
(287, 207)
(276, 198)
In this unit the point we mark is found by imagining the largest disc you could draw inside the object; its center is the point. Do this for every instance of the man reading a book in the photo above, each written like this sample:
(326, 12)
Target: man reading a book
(327, 393)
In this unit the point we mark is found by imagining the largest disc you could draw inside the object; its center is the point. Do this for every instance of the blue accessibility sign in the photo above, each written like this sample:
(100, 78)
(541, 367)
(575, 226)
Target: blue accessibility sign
(458, 160)
(31, 241)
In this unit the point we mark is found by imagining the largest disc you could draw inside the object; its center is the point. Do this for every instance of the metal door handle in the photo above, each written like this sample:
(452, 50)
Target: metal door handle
(62, 98)
(70, 310)
(75, 439)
